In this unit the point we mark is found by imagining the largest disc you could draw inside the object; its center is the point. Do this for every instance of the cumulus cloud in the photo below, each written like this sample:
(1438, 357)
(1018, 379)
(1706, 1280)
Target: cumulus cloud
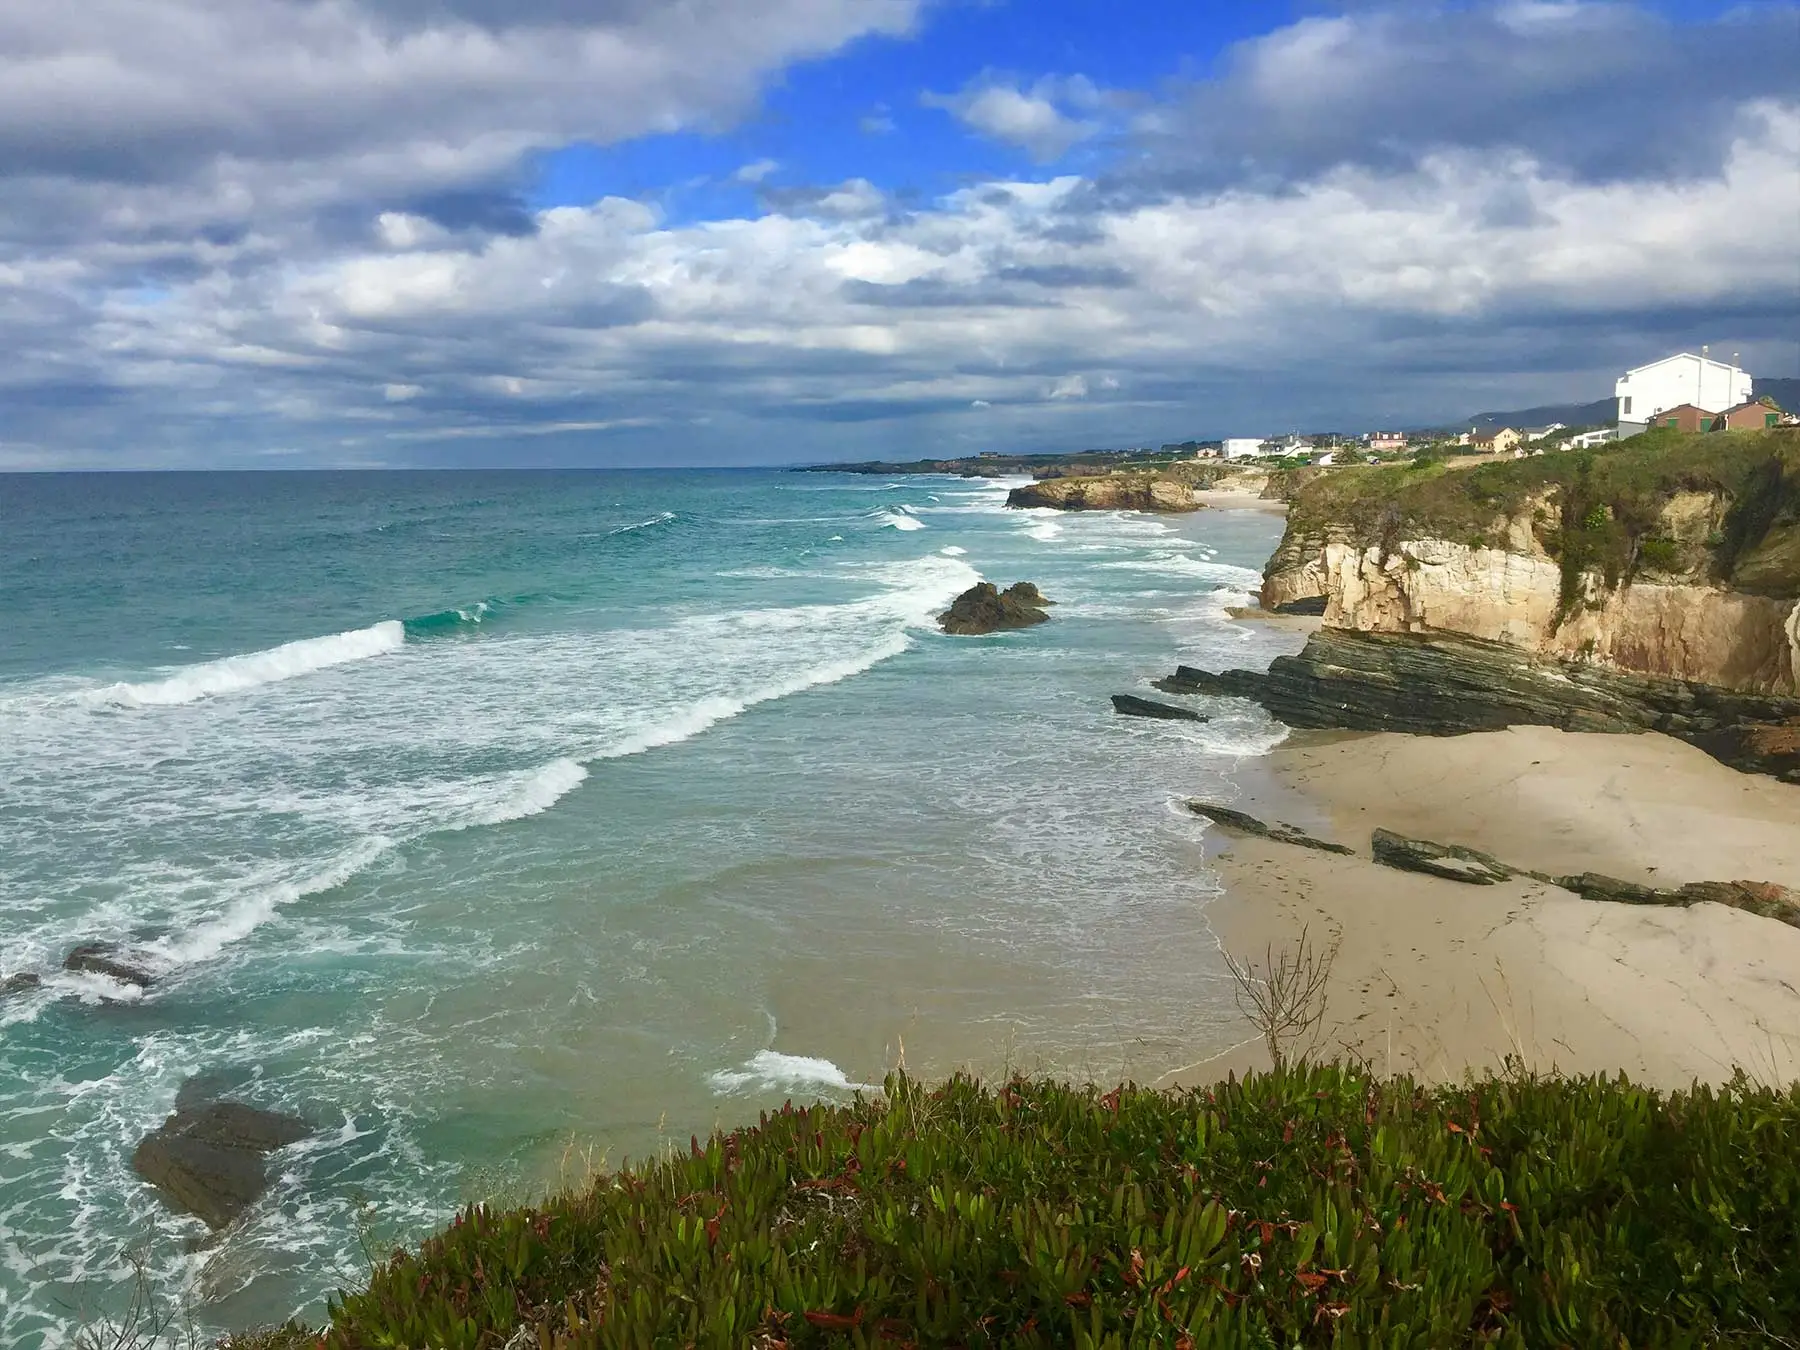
(367, 301)
(1030, 119)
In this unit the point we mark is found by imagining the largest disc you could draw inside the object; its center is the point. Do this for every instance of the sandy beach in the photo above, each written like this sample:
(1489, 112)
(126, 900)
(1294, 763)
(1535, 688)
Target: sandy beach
(1436, 977)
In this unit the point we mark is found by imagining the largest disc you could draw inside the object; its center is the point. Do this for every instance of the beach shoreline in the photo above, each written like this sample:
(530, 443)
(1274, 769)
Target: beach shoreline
(1439, 978)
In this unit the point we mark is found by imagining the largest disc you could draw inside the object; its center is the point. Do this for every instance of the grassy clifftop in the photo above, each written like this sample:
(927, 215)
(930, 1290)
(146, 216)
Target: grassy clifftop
(1606, 511)
(1313, 1206)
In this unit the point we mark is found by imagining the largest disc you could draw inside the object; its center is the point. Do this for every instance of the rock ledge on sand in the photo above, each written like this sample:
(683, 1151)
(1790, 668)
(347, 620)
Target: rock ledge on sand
(1453, 862)
(208, 1158)
(1281, 833)
(984, 608)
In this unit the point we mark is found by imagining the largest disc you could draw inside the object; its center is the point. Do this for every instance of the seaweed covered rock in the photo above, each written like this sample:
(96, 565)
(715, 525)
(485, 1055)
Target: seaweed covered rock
(209, 1157)
(984, 608)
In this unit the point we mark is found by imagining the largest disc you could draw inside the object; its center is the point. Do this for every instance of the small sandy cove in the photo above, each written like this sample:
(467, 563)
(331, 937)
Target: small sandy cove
(1436, 977)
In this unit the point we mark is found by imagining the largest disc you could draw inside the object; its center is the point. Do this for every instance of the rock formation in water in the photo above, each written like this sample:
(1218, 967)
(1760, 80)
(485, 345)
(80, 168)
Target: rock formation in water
(23, 982)
(984, 608)
(1130, 705)
(110, 960)
(210, 1157)
(1114, 492)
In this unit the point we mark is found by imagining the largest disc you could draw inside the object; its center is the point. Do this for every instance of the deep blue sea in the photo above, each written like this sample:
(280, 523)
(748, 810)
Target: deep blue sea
(501, 823)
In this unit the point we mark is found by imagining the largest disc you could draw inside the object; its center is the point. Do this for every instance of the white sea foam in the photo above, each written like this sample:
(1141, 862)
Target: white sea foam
(899, 519)
(772, 1071)
(953, 551)
(234, 673)
(257, 904)
(533, 792)
(1046, 530)
(1171, 564)
(660, 518)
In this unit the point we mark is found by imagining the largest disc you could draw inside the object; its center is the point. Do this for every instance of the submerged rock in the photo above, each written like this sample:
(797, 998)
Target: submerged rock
(1442, 685)
(984, 608)
(1133, 706)
(1281, 833)
(104, 958)
(24, 981)
(209, 1157)
(1453, 862)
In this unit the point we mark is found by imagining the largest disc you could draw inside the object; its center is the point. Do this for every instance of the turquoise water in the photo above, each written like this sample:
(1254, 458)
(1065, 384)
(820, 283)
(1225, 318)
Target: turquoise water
(487, 819)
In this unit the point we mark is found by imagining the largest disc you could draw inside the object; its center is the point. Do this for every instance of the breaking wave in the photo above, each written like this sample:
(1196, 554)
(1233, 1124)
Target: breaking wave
(233, 674)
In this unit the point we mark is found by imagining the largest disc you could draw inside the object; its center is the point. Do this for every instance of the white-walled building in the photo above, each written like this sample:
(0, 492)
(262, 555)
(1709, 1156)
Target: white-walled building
(1240, 447)
(1712, 386)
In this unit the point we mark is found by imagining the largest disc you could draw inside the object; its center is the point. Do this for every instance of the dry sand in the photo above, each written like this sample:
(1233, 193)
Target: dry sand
(1437, 977)
(1238, 499)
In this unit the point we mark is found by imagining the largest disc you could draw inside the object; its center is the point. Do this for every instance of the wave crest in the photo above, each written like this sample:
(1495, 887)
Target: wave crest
(232, 674)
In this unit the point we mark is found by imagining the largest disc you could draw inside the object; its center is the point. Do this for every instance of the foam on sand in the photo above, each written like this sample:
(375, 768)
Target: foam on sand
(772, 1071)
(233, 674)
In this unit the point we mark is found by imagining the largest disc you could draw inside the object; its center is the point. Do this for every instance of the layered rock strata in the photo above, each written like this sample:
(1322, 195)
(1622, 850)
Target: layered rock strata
(1442, 684)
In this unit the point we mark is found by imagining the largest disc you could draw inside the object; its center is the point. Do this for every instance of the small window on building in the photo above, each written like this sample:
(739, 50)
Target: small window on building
(1625, 407)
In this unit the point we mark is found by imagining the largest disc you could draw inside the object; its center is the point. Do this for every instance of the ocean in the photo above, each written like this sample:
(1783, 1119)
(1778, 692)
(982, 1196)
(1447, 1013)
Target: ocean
(503, 823)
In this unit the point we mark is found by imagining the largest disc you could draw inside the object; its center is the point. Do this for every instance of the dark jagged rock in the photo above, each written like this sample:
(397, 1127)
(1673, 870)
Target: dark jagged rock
(1442, 685)
(1281, 833)
(208, 1158)
(104, 958)
(1453, 862)
(983, 608)
(1132, 706)
(1311, 606)
(21, 983)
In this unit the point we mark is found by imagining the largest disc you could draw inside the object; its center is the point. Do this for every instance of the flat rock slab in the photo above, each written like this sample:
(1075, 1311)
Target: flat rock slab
(1278, 831)
(1131, 705)
(209, 1158)
(1753, 897)
(1453, 862)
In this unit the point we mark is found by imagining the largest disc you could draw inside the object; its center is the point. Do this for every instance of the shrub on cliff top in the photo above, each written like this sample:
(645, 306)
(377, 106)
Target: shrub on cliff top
(1602, 504)
(1315, 1206)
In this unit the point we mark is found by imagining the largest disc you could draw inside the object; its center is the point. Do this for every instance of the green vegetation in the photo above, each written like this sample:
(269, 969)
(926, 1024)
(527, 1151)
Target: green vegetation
(1600, 513)
(1317, 1205)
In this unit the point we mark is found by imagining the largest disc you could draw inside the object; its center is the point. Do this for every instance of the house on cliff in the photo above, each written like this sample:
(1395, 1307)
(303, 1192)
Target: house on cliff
(1648, 394)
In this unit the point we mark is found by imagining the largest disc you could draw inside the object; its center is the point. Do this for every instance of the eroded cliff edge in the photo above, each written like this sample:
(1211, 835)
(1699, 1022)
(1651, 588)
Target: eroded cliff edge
(1676, 557)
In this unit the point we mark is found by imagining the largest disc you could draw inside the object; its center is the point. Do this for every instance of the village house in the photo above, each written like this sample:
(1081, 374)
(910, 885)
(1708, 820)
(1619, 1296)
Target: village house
(1754, 415)
(1686, 417)
(1647, 394)
(1381, 441)
(1494, 440)
(1239, 447)
(1587, 440)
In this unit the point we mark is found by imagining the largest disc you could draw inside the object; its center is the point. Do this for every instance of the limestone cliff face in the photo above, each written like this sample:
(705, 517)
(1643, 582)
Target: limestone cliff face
(1113, 492)
(1673, 624)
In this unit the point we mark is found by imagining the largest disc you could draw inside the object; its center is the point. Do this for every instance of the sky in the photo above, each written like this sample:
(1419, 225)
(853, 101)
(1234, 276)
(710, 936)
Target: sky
(291, 233)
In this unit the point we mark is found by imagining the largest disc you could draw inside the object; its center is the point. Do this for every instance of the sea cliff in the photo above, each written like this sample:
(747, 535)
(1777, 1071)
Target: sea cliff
(1676, 557)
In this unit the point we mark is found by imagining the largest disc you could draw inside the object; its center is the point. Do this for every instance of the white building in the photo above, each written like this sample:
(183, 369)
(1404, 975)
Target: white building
(1587, 440)
(1712, 386)
(1239, 447)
